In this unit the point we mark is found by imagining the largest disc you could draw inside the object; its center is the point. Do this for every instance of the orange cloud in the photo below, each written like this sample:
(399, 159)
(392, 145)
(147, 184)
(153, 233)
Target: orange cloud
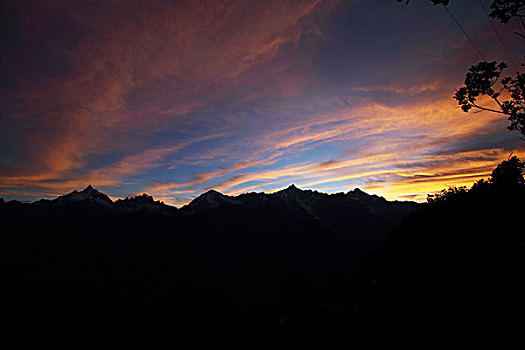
(422, 131)
(138, 70)
(168, 63)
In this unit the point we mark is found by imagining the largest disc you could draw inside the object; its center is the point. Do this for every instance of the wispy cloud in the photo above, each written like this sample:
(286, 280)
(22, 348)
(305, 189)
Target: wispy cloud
(130, 80)
(173, 98)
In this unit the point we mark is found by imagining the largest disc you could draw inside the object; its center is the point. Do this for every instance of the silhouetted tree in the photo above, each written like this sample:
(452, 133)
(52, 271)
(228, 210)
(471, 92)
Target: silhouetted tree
(448, 194)
(506, 178)
(456, 263)
(502, 10)
(485, 78)
(505, 10)
(508, 174)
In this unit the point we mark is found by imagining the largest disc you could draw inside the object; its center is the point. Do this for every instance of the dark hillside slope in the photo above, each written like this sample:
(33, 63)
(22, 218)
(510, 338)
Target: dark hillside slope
(220, 264)
(456, 266)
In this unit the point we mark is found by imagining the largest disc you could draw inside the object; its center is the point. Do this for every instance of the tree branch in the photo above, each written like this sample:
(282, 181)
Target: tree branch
(497, 101)
(487, 109)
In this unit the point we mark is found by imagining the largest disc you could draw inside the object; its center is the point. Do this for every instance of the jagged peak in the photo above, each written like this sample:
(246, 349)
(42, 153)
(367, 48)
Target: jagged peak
(89, 188)
(144, 203)
(144, 197)
(358, 191)
(290, 189)
(212, 193)
(89, 193)
(211, 199)
(141, 196)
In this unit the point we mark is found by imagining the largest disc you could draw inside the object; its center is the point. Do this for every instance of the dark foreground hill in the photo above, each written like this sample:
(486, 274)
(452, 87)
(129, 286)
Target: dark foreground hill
(453, 270)
(221, 268)
(294, 268)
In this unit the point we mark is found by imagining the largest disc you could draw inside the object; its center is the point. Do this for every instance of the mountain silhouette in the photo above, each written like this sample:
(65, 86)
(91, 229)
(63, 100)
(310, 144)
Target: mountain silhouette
(90, 200)
(88, 197)
(209, 200)
(295, 266)
(144, 204)
(138, 266)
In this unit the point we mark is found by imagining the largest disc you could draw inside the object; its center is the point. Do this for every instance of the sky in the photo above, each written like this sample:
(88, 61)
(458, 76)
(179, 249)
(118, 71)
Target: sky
(173, 98)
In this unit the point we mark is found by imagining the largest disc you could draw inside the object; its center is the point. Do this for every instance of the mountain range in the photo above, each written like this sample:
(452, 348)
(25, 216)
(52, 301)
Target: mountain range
(315, 203)
(290, 227)
(290, 266)
(219, 264)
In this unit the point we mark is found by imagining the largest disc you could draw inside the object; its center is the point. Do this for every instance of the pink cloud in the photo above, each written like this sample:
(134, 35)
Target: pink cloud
(137, 65)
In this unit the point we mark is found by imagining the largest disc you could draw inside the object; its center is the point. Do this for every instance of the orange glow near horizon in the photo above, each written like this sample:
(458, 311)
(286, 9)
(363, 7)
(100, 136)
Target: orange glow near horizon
(175, 98)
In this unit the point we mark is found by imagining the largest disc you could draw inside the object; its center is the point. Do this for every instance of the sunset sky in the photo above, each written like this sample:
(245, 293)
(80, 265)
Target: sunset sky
(172, 98)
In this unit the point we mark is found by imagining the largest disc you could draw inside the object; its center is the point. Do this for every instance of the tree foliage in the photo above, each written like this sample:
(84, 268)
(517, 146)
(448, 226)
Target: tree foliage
(502, 10)
(505, 10)
(486, 79)
(508, 173)
(447, 194)
(506, 178)
(456, 261)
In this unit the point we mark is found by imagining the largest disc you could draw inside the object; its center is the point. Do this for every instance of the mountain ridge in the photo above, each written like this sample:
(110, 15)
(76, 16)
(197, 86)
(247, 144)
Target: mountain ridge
(210, 199)
(244, 246)
(354, 209)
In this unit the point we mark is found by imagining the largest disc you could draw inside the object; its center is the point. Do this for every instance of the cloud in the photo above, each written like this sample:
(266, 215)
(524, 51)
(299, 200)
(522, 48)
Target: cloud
(112, 175)
(405, 145)
(134, 67)
(238, 96)
(411, 90)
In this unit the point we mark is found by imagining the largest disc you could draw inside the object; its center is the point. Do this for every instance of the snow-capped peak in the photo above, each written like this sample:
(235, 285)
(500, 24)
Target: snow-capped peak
(211, 199)
(89, 194)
